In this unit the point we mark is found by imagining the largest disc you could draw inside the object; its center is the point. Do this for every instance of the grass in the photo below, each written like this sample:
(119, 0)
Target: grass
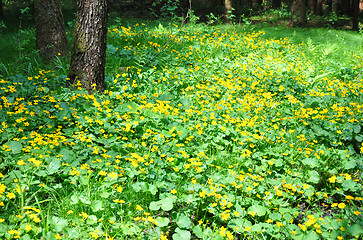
(216, 132)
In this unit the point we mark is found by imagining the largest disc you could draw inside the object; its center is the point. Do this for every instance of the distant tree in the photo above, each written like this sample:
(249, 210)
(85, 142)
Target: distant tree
(345, 6)
(298, 11)
(276, 4)
(228, 10)
(89, 47)
(256, 4)
(1, 10)
(311, 4)
(355, 9)
(49, 29)
(319, 7)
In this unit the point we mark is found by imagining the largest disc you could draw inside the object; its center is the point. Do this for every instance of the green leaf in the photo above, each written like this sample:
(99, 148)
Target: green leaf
(311, 162)
(275, 216)
(258, 209)
(58, 223)
(311, 236)
(349, 164)
(162, 221)
(181, 234)
(84, 199)
(92, 219)
(256, 228)
(154, 206)
(356, 230)
(183, 221)
(197, 230)
(15, 146)
(167, 203)
(54, 166)
(96, 205)
(314, 176)
(349, 185)
(153, 189)
(74, 199)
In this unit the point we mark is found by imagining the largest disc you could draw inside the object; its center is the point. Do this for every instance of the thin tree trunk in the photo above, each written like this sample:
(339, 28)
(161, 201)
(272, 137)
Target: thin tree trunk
(89, 48)
(298, 13)
(355, 15)
(345, 5)
(311, 6)
(1, 10)
(49, 29)
(319, 7)
(228, 10)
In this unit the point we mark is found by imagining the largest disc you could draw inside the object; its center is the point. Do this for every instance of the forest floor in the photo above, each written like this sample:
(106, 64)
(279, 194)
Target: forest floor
(204, 132)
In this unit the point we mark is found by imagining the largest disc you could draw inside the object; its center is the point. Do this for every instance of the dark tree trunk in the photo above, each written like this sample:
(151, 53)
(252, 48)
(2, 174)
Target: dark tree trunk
(49, 29)
(89, 46)
(228, 10)
(345, 6)
(298, 11)
(276, 4)
(311, 6)
(1, 10)
(319, 7)
(355, 9)
(256, 5)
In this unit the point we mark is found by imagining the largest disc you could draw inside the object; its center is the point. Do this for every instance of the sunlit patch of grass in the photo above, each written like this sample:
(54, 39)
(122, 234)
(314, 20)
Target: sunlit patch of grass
(203, 132)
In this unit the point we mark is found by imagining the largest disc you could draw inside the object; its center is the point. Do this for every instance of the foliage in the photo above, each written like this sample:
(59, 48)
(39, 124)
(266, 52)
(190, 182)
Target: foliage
(203, 132)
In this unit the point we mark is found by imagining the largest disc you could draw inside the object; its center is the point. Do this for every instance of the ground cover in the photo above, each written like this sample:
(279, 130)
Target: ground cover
(216, 132)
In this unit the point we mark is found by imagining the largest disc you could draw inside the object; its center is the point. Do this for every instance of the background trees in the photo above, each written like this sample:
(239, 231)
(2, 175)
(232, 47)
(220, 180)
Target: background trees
(50, 34)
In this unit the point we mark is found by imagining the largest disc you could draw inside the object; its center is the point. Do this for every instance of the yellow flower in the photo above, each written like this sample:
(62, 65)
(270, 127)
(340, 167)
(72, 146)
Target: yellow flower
(21, 163)
(102, 173)
(173, 191)
(28, 228)
(252, 213)
(341, 205)
(138, 207)
(70, 212)
(332, 179)
(246, 229)
(302, 227)
(112, 175)
(119, 189)
(10, 195)
(83, 215)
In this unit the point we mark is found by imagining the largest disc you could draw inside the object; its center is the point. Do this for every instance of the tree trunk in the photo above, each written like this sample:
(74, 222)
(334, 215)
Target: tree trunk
(298, 13)
(89, 47)
(311, 6)
(228, 10)
(319, 7)
(345, 5)
(355, 9)
(1, 10)
(49, 29)
(256, 5)
(276, 4)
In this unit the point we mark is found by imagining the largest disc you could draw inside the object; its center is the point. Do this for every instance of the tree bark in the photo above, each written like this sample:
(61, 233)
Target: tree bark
(228, 10)
(276, 4)
(311, 6)
(256, 5)
(89, 47)
(319, 7)
(345, 5)
(355, 9)
(298, 13)
(49, 29)
(1, 10)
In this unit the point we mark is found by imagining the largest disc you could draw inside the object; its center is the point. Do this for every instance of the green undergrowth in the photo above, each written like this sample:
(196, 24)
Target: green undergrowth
(203, 133)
